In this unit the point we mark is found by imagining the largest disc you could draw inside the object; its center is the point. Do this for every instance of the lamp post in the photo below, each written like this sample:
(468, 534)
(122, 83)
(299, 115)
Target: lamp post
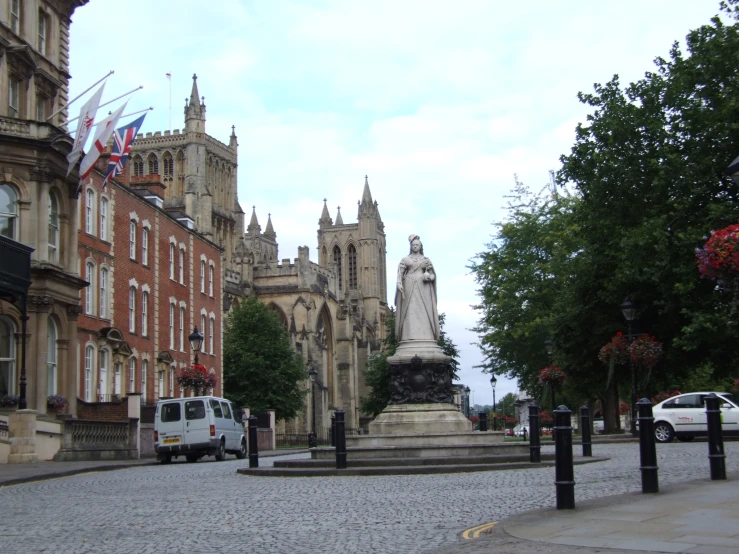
(629, 312)
(493, 382)
(196, 342)
(549, 347)
(312, 439)
(467, 402)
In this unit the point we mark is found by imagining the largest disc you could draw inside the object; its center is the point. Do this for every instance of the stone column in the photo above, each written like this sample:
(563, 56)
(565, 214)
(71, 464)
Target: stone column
(22, 434)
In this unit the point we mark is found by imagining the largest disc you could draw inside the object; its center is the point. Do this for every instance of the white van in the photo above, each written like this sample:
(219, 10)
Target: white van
(196, 427)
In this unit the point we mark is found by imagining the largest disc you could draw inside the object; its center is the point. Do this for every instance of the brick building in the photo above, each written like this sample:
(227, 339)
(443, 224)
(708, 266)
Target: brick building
(153, 278)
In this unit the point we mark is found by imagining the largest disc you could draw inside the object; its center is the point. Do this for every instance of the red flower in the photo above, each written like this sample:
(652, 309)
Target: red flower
(617, 348)
(646, 351)
(552, 375)
(196, 377)
(718, 260)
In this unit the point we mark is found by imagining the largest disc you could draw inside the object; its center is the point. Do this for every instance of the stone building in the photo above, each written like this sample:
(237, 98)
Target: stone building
(334, 310)
(38, 202)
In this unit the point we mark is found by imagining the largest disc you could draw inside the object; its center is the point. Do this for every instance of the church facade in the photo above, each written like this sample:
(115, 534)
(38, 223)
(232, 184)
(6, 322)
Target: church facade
(334, 310)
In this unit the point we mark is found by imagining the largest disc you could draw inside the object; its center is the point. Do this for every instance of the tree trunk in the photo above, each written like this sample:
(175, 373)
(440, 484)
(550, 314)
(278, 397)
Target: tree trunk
(609, 404)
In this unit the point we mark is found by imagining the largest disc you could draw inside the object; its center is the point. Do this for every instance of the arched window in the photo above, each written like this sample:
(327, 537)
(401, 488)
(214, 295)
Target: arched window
(132, 310)
(144, 369)
(171, 326)
(117, 379)
(168, 163)
(144, 310)
(337, 265)
(104, 301)
(145, 246)
(132, 240)
(352, 255)
(90, 212)
(132, 374)
(171, 380)
(8, 211)
(53, 228)
(89, 360)
(103, 386)
(202, 330)
(171, 261)
(210, 333)
(51, 356)
(153, 164)
(160, 384)
(104, 219)
(89, 291)
(202, 276)
(182, 266)
(182, 329)
(210, 280)
(7, 357)
(138, 166)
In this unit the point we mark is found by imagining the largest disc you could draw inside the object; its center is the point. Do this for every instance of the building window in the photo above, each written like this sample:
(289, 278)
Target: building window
(202, 330)
(352, 255)
(132, 375)
(210, 280)
(132, 310)
(210, 333)
(104, 293)
(144, 368)
(104, 219)
(138, 166)
(202, 276)
(89, 291)
(171, 381)
(15, 16)
(7, 357)
(53, 228)
(43, 23)
(51, 357)
(89, 212)
(153, 165)
(145, 246)
(89, 357)
(132, 241)
(182, 329)
(8, 211)
(14, 93)
(144, 309)
(182, 267)
(168, 163)
(117, 380)
(171, 326)
(337, 265)
(160, 386)
(171, 261)
(103, 386)
(41, 101)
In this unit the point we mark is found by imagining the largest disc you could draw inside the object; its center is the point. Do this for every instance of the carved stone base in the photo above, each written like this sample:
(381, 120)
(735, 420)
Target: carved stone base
(420, 419)
(420, 381)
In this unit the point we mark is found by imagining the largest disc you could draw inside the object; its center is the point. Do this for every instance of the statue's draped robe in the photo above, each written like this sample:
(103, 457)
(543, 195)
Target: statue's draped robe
(417, 318)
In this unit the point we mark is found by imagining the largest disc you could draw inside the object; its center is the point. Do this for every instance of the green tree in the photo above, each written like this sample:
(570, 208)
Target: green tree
(507, 405)
(377, 375)
(260, 368)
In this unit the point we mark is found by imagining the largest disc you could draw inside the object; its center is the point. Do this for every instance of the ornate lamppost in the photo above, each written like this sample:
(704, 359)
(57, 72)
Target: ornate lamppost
(467, 402)
(629, 311)
(549, 347)
(312, 438)
(493, 382)
(196, 342)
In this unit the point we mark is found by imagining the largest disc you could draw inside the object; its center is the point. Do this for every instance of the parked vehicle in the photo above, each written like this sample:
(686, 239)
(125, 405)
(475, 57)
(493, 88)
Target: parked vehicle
(598, 426)
(684, 416)
(197, 427)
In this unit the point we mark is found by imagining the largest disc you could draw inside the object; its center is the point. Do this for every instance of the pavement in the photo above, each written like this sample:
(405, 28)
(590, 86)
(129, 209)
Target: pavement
(694, 516)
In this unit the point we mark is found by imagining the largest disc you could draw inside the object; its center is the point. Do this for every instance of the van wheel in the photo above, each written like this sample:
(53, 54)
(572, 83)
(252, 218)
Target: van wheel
(191, 458)
(221, 454)
(166, 460)
(241, 454)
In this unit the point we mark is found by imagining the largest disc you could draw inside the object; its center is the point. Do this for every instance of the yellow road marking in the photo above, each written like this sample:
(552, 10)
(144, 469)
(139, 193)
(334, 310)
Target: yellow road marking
(475, 532)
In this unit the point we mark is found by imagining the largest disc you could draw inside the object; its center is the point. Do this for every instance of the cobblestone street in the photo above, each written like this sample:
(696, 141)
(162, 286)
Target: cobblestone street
(206, 506)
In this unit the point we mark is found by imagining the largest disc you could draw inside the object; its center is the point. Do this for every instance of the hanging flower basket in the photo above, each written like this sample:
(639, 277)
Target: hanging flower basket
(617, 350)
(56, 402)
(718, 260)
(9, 401)
(646, 351)
(552, 376)
(196, 378)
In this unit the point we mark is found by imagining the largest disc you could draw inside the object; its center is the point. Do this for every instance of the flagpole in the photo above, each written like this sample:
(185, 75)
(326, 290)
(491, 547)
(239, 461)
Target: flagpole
(111, 101)
(65, 106)
(130, 114)
(169, 78)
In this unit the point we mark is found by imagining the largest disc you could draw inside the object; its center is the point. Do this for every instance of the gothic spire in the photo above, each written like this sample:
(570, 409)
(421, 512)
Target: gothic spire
(339, 221)
(253, 228)
(366, 194)
(269, 232)
(325, 220)
(366, 206)
(194, 95)
(232, 142)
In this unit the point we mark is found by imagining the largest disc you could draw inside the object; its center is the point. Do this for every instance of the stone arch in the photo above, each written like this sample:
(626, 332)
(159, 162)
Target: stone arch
(324, 338)
(152, 164)
(336, 258)
(167, 166)
(280, 314)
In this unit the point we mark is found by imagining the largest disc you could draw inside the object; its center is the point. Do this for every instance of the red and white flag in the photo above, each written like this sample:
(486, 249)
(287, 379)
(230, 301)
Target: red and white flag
(84, 127)
(102, 135)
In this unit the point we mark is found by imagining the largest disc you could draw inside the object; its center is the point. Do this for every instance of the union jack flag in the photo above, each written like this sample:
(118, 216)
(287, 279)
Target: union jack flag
(122, 140)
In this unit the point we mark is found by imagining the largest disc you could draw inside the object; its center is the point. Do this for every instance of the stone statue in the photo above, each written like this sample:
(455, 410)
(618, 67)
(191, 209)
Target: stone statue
(415, 298)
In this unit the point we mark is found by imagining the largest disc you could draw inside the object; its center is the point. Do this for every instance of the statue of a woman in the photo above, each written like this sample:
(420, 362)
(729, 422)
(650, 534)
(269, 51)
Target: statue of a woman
(415, 299)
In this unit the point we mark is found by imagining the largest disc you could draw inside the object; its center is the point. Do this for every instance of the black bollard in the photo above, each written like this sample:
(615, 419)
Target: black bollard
(524, 434)
(333, 430)
(587, 447)
(340, 440)
(483, 417)
(564, 472)
(647, 449)
(253, 447)
(534, 434)
(716, 456)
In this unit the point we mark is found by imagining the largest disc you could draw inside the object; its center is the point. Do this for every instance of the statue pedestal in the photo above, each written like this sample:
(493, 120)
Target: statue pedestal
(420, 419)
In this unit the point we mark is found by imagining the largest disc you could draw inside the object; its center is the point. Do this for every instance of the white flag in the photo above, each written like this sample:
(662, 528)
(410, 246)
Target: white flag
(105, 130)
(84, 127)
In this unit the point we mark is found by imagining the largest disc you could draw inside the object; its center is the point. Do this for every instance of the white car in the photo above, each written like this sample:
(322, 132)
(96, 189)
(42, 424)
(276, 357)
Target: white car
(684, 416)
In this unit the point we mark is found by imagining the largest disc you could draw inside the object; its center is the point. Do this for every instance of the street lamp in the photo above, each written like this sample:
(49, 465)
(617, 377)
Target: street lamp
(493, 382)
(196, 341)
(629, 311)
(312, 439)
(467, 402)
(549, 347)
(734, 170)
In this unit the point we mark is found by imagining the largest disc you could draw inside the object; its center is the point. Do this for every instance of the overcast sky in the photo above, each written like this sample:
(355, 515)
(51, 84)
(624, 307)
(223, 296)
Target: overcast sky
(438, 102)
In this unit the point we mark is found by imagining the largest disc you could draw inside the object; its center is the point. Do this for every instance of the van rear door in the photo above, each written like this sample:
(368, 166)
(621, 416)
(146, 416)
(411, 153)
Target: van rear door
(170, 423)
(197, 428)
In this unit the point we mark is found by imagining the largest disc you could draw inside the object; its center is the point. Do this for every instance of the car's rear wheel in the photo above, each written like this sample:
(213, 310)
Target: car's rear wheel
(241, 454)
(191, 458)
(663, 432)
(221, 454)
(685, 439)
